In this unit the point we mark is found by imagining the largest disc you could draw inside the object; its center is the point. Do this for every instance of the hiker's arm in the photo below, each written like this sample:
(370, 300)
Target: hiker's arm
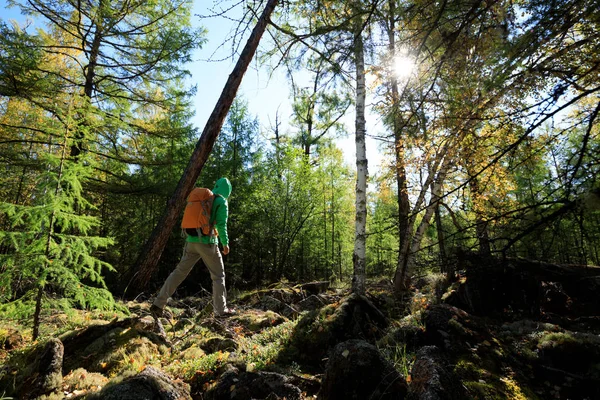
(221, 221)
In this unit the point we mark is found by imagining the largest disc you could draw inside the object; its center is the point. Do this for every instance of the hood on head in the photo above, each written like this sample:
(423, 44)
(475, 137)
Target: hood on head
(222, 187)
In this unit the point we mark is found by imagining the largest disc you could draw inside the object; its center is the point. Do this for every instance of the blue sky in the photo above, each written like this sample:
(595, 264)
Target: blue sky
(265, 92)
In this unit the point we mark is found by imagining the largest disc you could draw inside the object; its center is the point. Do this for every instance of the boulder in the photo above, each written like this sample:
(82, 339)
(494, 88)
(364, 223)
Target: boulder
(287, 296)
(215, 344)
(269, 303)
(150, 384)
(573, 352)
(256, 320)
(145, 323)
(433, 379)
(314, 287)
(312, 302)
(11, 340)
(235, 385)
(320, 330)
(451, 328)
(357, 370)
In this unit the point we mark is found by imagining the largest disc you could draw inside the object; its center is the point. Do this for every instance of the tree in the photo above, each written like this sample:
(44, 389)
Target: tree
(317, 109)
(359, 256)
(127, 54)
(50, 245)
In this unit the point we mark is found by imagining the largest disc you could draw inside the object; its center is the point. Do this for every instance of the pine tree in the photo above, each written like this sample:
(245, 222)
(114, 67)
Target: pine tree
(50, 246)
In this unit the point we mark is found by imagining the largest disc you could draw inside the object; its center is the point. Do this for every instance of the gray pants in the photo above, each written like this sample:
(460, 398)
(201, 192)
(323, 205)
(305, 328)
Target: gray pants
(192, 252)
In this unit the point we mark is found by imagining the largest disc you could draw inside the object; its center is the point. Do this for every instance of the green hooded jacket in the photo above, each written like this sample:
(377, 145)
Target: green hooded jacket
(218, 214)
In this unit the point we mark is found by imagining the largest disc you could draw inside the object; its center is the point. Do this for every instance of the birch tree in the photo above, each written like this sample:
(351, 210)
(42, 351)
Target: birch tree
(360, 238)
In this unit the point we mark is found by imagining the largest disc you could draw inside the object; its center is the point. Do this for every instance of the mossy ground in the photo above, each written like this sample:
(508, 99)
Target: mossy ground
(496, 360)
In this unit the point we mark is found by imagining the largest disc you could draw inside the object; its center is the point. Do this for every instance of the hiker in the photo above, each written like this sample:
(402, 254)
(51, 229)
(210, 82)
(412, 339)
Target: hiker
(200, 246)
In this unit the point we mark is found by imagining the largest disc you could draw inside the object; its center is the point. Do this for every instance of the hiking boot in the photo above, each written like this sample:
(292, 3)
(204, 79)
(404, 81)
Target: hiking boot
(228, 312)
(156, 312)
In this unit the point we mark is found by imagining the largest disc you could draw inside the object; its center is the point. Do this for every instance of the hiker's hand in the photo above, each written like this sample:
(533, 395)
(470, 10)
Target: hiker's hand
(225, 250)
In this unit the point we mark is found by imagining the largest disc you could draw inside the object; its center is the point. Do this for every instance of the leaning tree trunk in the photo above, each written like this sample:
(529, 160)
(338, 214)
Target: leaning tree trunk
(149, 256)
(408, 255)
(399, 147)
(359, 256)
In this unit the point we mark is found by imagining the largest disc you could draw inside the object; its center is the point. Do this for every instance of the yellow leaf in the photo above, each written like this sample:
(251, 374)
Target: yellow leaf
(346, 353)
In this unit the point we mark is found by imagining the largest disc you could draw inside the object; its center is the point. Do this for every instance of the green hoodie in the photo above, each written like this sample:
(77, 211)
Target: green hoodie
(218, 214)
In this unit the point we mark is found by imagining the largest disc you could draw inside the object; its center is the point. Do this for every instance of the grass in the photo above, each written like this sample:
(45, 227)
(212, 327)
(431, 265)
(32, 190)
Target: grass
(401, 359)
(262, 349)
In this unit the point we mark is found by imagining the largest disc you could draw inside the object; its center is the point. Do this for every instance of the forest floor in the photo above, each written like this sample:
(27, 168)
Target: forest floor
(279, 343)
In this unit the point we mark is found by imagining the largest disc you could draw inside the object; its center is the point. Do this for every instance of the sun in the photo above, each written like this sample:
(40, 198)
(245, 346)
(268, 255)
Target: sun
(403, 66)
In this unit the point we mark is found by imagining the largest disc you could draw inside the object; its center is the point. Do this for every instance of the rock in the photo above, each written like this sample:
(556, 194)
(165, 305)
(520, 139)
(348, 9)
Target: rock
(586, 323)
(48, 377)
(183, 323)
(216, 325)
(433, 379)
(150, 384)
(145, 323)
(584, 294)
(269, 303)
(191, 353)
(570, 351)
(11, 340)
(407, 334)
(99, 349)
(215, 344)
(314, 287)
(356, 370)
(312, 302)
(319, 331)
(256, 320)
(234, 385)
(284, 295)
(93, 339)
(450, 328)
(287, 296)
(493, 286)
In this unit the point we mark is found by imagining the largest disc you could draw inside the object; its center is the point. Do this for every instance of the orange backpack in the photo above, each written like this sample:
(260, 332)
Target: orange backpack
(196, 217)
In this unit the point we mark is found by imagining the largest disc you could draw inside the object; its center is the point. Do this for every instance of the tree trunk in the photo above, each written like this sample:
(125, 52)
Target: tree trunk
(332, 261)
(148, 258)
(408, 257)
(90, 74)
(441, 241)
(38, 311)
(399, 147)
(51, 225)
(359, 256)
(325, 251)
